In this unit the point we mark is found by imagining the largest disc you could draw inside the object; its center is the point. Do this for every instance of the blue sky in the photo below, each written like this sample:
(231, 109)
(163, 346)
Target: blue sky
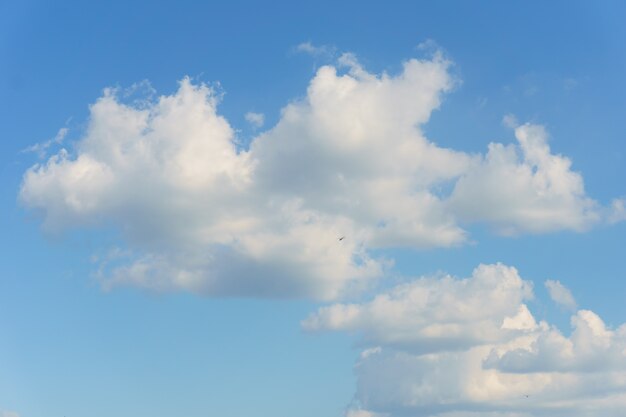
(164, 255)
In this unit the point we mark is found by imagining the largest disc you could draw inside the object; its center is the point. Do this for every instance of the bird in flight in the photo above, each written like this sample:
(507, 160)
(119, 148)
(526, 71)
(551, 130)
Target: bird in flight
(342, 238)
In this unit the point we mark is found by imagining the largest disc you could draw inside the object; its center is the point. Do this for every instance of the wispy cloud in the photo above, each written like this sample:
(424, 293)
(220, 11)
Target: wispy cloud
(41, 148)
(317, 51)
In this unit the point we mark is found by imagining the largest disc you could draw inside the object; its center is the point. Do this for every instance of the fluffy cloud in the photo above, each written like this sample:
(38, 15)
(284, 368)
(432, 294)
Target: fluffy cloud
(502, 362)
(437, 314)
(524, 188)
(199, 213)
(591, 347)
(185, 198)
(560, 294)
(352, 148)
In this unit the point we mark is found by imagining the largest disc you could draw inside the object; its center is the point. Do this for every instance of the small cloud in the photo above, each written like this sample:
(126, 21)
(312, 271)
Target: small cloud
(317, 51)
(41, 148)
(560, 294)
(8, 414)
(255, 119)
(617, 211)
(510, 121)
(428, 45)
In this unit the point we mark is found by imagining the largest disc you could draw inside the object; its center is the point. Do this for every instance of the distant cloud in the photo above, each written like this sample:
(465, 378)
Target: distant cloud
(510, 121)
(617, 211)
(8, 414)
(255, 119)
(560, 294)
(471, 347)
(428, 45)
(318, 51)
(196, 213)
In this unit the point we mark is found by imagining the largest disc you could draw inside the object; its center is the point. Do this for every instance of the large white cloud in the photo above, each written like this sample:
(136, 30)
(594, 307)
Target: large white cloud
(197, 212)
(171, 178)
(502, 362)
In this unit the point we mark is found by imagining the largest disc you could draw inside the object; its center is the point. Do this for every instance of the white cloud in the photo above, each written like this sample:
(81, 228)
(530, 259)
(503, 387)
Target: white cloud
(591, 348)
(524, 188)
(352, 148)
(503, 363)
(560, 294)
(510, 121)
(190, 207)
(200, 215)
(350, 159)
(8, 414)
(437, 314)
(255, 119)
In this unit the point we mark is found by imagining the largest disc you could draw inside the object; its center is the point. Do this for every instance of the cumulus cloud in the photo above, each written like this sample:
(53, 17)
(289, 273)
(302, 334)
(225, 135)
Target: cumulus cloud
(560, 294)
(196, 212)
(524, 188)
(591, 348)
(352, 148)
(503, 362)
(437, 314)
(199, 214)
(186, 200)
